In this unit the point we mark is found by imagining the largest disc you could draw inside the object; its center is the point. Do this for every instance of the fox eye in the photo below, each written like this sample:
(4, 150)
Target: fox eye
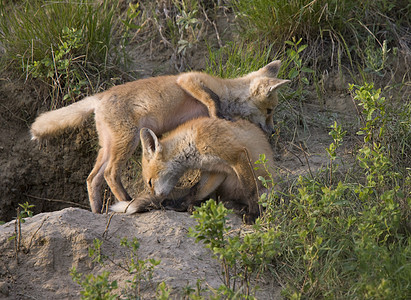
(269, 111)
(150, 184)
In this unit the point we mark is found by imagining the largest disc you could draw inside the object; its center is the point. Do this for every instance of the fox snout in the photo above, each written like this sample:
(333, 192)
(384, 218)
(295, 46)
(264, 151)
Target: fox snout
(267, 129)
(160, 193)
(162, 190)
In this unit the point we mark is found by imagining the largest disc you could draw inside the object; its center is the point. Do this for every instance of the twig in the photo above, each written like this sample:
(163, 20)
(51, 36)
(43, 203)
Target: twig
(306, 159)
(56, 72)
(108, 224)
(220, 44)
(19, 230)
(292, 144)
(254, 177)
(57, 200)
(125, 210)
(41, 225)
(165, 41)
(105, 201)
(16, 226)
(358, 111)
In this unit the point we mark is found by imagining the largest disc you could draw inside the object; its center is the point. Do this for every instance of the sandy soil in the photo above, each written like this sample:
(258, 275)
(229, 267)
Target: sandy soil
(53, 243)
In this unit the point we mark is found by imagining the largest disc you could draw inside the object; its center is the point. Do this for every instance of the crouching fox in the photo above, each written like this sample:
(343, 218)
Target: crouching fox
(224, 151)
(160, 103)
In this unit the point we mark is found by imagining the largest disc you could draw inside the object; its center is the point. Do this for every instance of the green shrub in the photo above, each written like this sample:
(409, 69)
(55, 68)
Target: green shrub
(349, 239)
(100, 286)
(327, 238)
(95, 287)
(242, 258)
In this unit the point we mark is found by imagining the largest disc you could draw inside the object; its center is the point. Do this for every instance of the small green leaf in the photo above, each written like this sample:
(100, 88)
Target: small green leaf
(292, 74)
(307, 70)
(301, 48)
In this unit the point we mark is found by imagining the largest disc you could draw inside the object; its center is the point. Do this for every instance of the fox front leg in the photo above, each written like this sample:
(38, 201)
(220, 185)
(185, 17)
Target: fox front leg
(202, 190)
(193, 85)
(246, 177)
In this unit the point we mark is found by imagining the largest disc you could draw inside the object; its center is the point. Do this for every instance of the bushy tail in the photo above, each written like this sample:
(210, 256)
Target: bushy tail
(141, 204)
(53, 122)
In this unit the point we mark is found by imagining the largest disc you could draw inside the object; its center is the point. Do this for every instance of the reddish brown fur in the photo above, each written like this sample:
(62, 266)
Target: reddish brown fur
(161, 104)
(224, 152)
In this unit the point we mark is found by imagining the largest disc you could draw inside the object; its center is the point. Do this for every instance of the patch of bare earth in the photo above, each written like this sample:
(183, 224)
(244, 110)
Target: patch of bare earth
(53, 243)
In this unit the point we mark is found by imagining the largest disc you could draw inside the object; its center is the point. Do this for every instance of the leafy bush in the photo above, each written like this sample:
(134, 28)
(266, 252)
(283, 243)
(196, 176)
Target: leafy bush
(100, 286)
(241, 258)
(329, 239)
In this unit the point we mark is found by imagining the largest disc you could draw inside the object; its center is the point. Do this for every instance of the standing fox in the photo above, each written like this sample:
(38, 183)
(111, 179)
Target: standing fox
(161, 104)
(222, 150)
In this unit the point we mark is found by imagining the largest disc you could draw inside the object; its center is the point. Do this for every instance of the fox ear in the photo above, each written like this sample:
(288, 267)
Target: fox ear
(149, 142)
(276, 84)
(272, 69)
(266, 86)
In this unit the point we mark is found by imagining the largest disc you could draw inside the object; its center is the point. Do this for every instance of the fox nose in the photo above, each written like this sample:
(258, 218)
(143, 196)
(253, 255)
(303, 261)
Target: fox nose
(268, 130)
(160, 192)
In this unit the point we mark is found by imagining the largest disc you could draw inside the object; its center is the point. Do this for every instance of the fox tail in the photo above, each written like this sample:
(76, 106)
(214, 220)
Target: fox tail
(141, 204)
(54, 122)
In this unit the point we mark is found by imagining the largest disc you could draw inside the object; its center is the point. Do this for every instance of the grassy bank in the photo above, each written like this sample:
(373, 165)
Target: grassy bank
(340, 232)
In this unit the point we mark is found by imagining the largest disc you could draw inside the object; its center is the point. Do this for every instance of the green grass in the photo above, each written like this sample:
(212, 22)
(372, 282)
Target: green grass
(335, 31)
(34, 28)
(339, 234)
(237, 59)
(66, 44)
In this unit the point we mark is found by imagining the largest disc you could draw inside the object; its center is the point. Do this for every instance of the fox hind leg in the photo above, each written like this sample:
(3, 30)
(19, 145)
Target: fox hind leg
(121, 150)
(114, 152)
(95, 181)
(96, 177)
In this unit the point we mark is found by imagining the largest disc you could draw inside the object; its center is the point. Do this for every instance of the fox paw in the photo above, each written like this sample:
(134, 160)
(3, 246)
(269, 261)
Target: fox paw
(175, 205)
(249, 219)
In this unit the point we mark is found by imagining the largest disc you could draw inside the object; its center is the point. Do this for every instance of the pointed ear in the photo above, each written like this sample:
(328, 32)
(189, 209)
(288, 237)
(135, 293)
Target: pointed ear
(276, 84)
(264, 87)
(149, 143)
(272, 69)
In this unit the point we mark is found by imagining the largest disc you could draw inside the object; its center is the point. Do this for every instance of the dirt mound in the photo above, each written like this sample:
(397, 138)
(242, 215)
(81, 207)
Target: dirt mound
(40, 176)
(58, 241)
